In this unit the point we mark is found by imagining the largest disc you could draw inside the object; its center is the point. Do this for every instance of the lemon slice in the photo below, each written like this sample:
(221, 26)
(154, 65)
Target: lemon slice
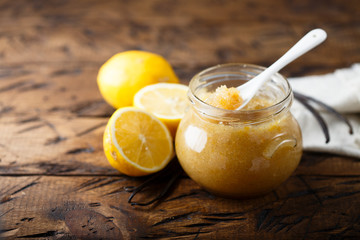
(167, 101)
(137, 143)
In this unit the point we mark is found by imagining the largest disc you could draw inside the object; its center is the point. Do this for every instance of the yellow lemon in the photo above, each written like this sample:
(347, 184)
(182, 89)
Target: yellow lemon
(167, 101)
(137, 143)
(125, 73)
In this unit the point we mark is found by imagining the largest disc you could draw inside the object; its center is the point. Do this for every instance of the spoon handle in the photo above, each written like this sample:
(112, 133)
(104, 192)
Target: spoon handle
(305, 44)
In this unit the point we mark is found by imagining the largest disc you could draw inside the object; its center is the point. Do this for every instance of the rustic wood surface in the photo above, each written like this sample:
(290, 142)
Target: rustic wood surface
(55, 182)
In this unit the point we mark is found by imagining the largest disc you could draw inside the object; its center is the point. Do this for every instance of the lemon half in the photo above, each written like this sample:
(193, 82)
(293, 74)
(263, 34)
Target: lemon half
(167, 101)
(137, 143)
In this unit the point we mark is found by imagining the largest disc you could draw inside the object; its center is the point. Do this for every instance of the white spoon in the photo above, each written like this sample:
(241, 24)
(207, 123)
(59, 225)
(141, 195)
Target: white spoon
(305, 44)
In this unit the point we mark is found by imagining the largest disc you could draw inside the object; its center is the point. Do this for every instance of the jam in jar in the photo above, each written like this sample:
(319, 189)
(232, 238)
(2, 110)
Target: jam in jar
(238, 153)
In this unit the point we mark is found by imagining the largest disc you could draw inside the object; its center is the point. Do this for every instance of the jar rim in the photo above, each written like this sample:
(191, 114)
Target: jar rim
(239, 115)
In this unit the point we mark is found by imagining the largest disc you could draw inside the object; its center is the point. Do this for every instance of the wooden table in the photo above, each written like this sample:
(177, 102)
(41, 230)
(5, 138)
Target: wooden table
(55, 182)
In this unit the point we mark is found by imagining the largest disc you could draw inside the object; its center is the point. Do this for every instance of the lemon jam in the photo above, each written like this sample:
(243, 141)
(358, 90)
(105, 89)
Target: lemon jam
(238, 154)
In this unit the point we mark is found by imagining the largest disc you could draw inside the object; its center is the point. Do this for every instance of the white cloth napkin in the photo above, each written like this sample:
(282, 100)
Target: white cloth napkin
(340, 90)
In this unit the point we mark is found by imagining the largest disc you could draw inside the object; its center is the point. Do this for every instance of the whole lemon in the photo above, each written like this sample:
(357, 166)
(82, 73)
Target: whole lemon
(125, 73)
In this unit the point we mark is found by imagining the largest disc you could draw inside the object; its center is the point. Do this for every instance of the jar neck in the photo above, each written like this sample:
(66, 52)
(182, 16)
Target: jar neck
(277, 90)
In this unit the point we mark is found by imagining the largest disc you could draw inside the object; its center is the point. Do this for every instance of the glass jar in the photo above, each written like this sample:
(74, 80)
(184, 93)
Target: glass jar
(239, 154)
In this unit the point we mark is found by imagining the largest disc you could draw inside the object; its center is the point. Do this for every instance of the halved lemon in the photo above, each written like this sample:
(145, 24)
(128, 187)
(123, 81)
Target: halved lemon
(167, 101)
(137, 143)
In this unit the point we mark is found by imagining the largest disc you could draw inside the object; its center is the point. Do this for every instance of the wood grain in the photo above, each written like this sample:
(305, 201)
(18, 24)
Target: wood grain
(97, 207)
(55, 182)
